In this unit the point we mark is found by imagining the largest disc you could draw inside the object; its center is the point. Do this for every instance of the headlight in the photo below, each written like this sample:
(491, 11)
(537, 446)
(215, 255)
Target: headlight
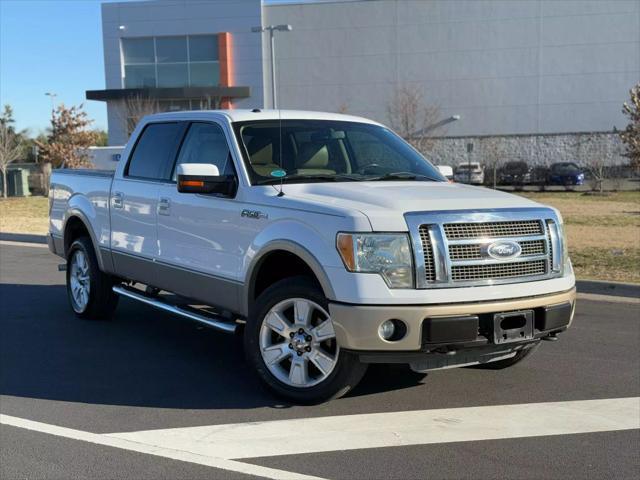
(565, 246)
(387, 254)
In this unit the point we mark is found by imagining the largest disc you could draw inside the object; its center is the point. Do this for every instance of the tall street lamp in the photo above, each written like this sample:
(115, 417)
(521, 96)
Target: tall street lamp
(53, 97)
(271, 29)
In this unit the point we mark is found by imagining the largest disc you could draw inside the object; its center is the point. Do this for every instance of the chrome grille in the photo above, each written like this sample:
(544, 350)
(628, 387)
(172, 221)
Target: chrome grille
(548, 233)
(533, 247)
(455, 231)
(452, 248)
(430, 268)
(473, 251)
(498, 270)
(465, 252)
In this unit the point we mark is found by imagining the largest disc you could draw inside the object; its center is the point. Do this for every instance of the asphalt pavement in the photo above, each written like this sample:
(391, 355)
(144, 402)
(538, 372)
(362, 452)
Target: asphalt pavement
(148, 395)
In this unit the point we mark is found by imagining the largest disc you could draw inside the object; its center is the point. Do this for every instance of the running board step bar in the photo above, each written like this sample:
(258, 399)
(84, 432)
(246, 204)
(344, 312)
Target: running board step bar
(214, 322)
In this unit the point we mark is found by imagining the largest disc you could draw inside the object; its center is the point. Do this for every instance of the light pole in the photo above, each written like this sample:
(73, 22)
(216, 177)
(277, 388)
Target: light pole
(438, 124)
(52, 96)
(271, 29)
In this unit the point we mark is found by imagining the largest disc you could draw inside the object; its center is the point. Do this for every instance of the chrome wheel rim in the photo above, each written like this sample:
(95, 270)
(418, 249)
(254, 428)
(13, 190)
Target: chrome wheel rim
(298, 343)
(79, 281)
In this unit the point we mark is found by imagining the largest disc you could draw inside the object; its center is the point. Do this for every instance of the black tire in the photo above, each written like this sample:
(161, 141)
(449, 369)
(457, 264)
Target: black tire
(348, 370)
(508, 362)
(102, 301)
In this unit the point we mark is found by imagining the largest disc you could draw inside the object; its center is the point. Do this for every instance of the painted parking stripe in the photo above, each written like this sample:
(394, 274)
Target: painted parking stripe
(181, 455)
(308, 435)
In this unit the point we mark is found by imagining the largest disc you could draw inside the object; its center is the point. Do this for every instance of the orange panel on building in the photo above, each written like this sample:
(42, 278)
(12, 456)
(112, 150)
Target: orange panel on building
(225, 57)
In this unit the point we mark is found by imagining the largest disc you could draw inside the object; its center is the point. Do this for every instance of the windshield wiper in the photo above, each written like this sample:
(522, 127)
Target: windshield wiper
(320, 176)
(401, 176)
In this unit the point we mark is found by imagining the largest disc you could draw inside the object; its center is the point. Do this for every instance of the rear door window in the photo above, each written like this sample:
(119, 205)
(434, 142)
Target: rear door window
(153, 155)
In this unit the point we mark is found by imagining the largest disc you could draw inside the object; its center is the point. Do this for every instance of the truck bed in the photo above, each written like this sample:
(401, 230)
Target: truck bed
(85, 192)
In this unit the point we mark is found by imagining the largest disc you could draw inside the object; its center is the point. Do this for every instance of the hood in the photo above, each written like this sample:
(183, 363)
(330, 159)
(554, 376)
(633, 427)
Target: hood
(385, 203)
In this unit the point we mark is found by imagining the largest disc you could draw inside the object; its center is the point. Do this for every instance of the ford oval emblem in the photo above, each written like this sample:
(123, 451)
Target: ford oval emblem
(504, 250)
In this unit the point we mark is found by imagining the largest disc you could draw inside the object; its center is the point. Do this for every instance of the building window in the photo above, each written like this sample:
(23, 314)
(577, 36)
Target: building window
(180, 61)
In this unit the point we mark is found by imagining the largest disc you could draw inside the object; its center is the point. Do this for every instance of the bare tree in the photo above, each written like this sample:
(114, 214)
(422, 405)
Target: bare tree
(135, 108)
(594, 152)
(492, 156)
(11, 147)
(212, 102)
(631, 135)
(412, 118)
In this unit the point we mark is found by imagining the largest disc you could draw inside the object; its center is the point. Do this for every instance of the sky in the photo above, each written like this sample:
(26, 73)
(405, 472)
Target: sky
(51, 46)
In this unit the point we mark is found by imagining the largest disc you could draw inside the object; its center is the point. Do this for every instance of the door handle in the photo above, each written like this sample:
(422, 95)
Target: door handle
(117, 200)
(164, 206)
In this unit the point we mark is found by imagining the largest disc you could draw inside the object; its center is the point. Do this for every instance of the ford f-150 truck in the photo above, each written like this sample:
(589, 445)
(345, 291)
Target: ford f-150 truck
(325, 240)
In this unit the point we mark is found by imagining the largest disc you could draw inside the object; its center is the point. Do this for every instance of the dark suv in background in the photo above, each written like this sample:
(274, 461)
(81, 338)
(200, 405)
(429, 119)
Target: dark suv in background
(565, 173)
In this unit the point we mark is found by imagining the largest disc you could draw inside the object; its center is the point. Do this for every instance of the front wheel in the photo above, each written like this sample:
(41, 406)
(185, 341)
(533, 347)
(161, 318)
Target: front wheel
(291, 343)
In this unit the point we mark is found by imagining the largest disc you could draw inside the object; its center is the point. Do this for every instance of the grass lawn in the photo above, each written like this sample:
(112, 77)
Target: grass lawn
(24, 215)
(604, 232)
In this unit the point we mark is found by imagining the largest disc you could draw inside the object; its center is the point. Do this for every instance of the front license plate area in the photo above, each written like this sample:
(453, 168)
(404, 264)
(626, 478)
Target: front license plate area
(512, 326)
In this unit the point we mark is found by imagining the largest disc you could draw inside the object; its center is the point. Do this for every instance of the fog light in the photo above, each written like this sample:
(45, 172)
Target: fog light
(386, 330)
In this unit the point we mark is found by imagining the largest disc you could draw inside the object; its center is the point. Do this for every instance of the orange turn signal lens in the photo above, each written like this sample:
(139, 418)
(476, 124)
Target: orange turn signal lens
(345, 248)
(191, 183)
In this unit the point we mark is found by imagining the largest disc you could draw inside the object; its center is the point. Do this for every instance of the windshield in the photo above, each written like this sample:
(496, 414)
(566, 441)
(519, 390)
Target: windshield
(466, 167)
(565, 168)
(304, 151)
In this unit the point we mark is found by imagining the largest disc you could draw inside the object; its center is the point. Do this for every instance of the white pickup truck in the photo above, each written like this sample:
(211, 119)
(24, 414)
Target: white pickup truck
(325, 240)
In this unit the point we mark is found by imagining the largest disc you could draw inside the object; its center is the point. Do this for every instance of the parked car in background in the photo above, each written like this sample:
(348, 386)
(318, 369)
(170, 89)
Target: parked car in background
(470, 172)
(539, 175)
(514, 173)
(446, 171)
(565, 173)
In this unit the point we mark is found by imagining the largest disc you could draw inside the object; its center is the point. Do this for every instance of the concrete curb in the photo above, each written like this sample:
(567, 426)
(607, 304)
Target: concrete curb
(597, 287)
(23, 237)
(614, 289)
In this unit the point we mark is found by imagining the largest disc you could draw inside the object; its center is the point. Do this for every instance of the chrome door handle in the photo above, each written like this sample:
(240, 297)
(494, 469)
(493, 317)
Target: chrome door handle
(117, 200)
(164, 206)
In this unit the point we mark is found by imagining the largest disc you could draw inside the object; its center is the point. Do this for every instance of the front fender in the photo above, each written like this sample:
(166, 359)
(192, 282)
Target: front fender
(315, 248)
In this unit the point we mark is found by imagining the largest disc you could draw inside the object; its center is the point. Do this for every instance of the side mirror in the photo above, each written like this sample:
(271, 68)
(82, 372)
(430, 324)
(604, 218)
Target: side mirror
(204, 178)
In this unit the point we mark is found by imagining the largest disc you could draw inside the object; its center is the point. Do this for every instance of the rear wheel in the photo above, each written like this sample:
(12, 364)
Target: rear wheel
(291, 342)
(89, 290)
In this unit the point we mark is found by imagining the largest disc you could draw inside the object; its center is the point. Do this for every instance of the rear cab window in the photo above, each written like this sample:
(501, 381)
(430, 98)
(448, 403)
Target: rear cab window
(154, 153)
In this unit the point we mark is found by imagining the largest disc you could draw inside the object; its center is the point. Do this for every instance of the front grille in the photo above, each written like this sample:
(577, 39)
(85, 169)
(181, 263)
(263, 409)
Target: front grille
(465, 252)
(498, 270)
(452, 248)
(533, 247)
(521, 228)
(429, 265)
(474, 251)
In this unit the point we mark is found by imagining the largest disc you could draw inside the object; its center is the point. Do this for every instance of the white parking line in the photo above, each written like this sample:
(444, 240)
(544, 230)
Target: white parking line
(308, 435)
(219, 446)
(184, 456)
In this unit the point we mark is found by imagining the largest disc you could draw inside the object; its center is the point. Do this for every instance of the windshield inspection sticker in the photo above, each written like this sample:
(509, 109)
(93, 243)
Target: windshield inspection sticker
(279, 173)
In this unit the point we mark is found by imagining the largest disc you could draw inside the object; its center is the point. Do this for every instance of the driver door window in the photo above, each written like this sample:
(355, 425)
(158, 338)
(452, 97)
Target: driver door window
(206, 143)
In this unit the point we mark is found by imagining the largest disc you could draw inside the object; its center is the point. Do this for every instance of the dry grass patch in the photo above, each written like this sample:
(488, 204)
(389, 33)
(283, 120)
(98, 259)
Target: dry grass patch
(603, 232)
(24, 215)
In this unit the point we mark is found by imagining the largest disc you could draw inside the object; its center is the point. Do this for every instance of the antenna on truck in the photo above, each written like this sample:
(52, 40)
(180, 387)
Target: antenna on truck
(281, 192)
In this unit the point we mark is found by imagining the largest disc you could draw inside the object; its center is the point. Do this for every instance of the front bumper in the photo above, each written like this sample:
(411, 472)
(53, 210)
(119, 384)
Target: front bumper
(441, 326)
